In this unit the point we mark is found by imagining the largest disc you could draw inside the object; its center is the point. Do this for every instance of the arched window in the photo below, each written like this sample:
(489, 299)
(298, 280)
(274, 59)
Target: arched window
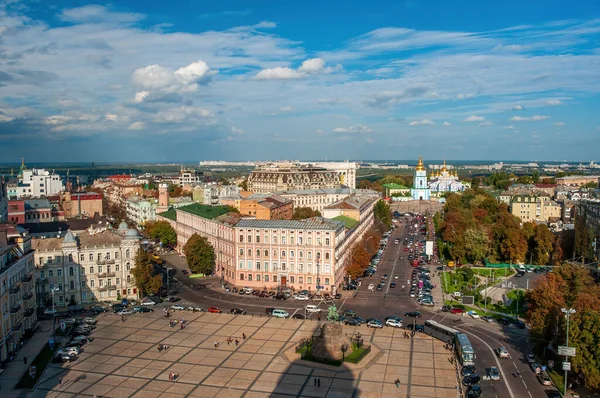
(70, 271)
(257, 252)
(283, 254)
(327, 256)
(291, 254)
(127, 253)
(318, 255)
(300, 254)
(72, 285)
(128, 267)
(249, 252)
(274, 253)
(266, 253)
(70, 258)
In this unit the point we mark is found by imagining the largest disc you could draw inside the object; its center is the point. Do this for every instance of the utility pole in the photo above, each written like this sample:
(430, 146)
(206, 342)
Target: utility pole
(568, 313)
(485, 301)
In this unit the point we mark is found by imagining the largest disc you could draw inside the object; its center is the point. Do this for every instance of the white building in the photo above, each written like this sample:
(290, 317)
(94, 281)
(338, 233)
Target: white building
(86, 268)
(141, 210)
(35, 183)
(445, 181)
(420, 190)
(346, 171)
(211, 193)
(318, 199)
(189, 177)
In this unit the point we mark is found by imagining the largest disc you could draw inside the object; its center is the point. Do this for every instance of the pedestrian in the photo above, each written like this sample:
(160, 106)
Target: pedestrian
(60, 381)
(170, 376)
(228, 342)
(182, 326)
(319, 382)
(397, 383)
(237, 342)
(216, 344)
(24, 360)
(315, 381)
(244, 336)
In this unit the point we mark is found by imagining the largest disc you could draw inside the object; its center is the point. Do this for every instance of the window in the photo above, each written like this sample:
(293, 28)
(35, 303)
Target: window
(309, 280)
(266, 278)
(258, 277)
(99, 256)
(42, 274)
(118, 281)
(117, 267)
(70, 271)
(242, 264)
(266, 239)
(61, 299)
(283, 266)
(249, 252)
(309, 254)
(300, 254)
(318, 241)
(291, 240)
(300, 279)
(283, 240)
(59, 272)
(257, 252)
(82, 257)
(249, 241)
(83, 284)
(257, 241)
(327, 256)
(266, 266)
(327, 268)
(291, 254)
(127, 253)
(128, 267)
(326, 241)
(249, 277)
(241, 277)
(72, 284)
(266, 253)
(301, 267)
(49, 260)
(274, 241)
(327, 281)
(299, 240)
(128, 278)
(91, 270)
(99, 269)
(91, 257)
(274, 265)
(309, 268)
(274, 278)
(241, 252)
(241, 238)
(41, 260)
(258, 266)
(60, 286)
(101, 282)
(309, 241)
(291, 279)
(274, 253)
(283, 254)
(109, 282)
(249, 265)
(116, 255)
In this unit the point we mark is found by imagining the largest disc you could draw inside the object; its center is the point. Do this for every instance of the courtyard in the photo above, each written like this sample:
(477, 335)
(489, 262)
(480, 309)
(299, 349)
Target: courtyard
(124, 361)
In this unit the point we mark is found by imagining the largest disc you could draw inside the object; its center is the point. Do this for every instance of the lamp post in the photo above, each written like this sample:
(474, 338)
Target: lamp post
(568, 312)
(168, 277)
(318, 279)
(54, 289)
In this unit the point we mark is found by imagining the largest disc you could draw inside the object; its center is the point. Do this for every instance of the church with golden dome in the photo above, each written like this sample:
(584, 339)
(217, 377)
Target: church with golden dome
(420, 190)
(445, 181)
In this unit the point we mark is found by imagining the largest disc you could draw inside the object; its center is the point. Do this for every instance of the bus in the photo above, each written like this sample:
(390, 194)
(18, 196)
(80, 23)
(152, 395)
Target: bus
(464, 350)
(439, 331)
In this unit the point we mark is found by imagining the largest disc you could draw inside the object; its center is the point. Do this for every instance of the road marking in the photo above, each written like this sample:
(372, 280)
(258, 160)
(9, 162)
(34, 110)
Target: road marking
(495, 358)
(343, 302)
(524, 383)
(528, 392)
(393, 268)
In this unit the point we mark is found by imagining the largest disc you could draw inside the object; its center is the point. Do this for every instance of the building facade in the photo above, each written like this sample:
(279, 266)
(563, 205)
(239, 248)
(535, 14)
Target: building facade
(589, 211)
(445, 181)
(535, 207)
(82, 204)
(420, 189)
(189, 177)
(141, 210)
(86, 268)
(3, 200)
(17, 288)
(211, 194)
(267, 207)
(36, 183)
(345, 170)
(318, 199)
(30, 211)
(283, 177)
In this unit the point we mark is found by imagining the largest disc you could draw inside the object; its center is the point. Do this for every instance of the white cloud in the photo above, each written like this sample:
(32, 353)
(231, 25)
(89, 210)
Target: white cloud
(94, 14)
(422, 122)
(534, 118)
(137, 126)
(319, 131)
(286, 109)
(553, 102)
(511, 127)
(447, 124)
(183, 114)
(474, 118)
(236, 130)
(353, 129)
(5, 119)
(560, 124)
(312, 66)
(140, 96)
(518, 108)
(58, 119)
(484, 124)
(165, 80)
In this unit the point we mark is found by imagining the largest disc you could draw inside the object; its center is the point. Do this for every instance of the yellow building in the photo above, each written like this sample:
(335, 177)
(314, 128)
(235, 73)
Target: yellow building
(535, 207)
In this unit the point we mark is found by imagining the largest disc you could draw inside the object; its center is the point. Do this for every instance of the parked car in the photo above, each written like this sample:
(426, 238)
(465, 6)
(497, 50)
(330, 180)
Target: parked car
(374, 323)
(349, 313)
(148, 302)
(493, 373)
(214, 310)
(179, 307)
(98, 309)
(416, 326)
(413, 314)
(302, 297)
(487, 319)
(536, 367)
(72, 350)
(468, 370)
(502, 352)
(173, 299)
(393, 323)
(473, 314)
(298, 315)
(474, 391)
(455, 310)
(279, 313)
(142, 309)
(269, 310)
(312, 308)
(125, 312)
(470, 380)
(544, 379)
(446, 308)
(90, 321)
(351, 322)
(238, 311)
(63, 357)
(530, 358)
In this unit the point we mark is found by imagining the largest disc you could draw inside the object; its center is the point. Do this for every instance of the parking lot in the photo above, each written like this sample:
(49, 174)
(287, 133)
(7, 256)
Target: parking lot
(124, 361)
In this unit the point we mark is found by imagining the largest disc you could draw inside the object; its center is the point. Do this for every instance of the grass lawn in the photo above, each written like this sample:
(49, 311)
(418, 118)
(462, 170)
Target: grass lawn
(353, 357)
(495, 272)
(557, 379)
(40, 362)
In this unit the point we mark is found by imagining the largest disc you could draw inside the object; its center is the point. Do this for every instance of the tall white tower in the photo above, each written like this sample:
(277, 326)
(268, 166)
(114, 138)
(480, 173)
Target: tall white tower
(420, 189)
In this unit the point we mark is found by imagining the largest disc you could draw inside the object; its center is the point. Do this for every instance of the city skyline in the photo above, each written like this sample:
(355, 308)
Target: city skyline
(85, 81)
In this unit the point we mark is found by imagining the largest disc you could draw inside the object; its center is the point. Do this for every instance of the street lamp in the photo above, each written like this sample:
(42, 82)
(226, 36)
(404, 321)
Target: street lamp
(568, 313)
(54, 289)
(318, 279)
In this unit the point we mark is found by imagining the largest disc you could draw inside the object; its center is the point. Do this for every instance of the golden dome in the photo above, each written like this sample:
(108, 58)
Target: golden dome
(443, 169)
(420, 166)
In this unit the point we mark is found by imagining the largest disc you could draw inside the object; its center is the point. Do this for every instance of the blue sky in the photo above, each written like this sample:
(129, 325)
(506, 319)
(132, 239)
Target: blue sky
(193, 80)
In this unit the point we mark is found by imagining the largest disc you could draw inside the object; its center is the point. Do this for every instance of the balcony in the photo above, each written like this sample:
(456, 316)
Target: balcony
(15, 289)
(27, 278)
(100, 262)
(29, 312)
(101, 275)
(102, 289)
(110, 261)
(17, 327)
(112, 287)
(15, 308)
(28, 296)
(111, 274)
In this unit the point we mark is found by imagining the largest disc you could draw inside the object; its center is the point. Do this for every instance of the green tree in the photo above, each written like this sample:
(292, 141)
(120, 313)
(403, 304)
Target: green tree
(543, 245)
(302, 213)
(200, 255)
(477, 245)
(244, 184)
(535, 176)
(162, 231)
(383, 213)
(143, 274)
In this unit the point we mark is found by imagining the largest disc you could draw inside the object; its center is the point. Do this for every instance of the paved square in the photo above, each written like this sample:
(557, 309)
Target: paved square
(124, 361)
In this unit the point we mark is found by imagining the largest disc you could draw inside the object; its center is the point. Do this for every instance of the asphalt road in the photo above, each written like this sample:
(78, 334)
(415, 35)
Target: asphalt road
(485, 337)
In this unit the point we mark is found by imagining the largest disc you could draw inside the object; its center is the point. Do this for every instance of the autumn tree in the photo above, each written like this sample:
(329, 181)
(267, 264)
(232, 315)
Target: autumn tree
(383, 213)
(477, 245)
(244, 184)
(200, 255)
(543, 245)
(162, 231)
(359, 261)
(302, 213)
(144, 274)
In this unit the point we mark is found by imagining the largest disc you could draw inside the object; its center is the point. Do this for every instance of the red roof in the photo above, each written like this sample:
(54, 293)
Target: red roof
(545, 185)
(120, 177)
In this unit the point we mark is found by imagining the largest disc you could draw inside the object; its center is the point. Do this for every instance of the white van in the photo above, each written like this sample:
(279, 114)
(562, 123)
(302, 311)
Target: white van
(280, 314)
(312, 308)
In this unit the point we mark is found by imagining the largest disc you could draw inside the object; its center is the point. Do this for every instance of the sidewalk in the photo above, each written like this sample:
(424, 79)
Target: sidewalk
(17, 368)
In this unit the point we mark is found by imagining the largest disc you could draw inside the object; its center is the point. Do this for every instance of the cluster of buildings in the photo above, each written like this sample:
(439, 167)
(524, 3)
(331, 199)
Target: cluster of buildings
(589, 210)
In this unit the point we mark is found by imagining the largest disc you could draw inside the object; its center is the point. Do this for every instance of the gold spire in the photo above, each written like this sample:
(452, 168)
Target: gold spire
(444, 166)
(420, 166)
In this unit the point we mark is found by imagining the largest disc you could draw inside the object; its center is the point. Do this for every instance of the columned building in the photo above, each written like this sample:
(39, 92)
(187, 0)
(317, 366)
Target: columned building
(420, 189)
(275, 177)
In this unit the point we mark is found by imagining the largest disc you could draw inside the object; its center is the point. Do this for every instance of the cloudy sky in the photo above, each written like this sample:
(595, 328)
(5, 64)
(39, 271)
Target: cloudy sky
(193, 80)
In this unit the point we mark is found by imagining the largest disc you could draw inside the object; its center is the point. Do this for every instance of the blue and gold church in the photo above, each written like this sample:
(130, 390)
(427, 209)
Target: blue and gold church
(420, 190)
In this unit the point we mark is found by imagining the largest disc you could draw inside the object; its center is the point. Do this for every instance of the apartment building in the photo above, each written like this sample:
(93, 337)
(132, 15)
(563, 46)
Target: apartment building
(81, 204)
(588, 210)
(267, 207)
(189, 177)
(17, 288)
(535, 207)
(318, 199)
(300, 254)
(281, 177)
(34, 183)
(3, 200)
(211, 194)
(87, 267)
(30, 211)
(141, 210)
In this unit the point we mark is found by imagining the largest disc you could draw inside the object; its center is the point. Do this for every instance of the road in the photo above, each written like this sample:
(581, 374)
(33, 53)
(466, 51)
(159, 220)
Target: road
(485, 337)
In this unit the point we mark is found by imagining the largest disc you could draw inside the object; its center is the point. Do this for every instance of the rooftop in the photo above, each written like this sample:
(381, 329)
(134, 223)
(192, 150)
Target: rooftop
(393, 185)
(85, 239)
(349, 223)
(204, 211)
(319, 223)
(171, 214)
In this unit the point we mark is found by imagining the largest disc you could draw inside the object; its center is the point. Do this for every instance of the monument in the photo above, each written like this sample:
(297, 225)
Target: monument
(331, 343)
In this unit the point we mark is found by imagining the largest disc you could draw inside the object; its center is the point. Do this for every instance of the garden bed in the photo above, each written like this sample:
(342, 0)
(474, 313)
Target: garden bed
(355, 356)
(40, 362)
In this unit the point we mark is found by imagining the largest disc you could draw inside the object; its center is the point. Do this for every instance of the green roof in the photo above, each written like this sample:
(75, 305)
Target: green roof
(170, 214)
(205, 211)
(393, 185)
(349, 223)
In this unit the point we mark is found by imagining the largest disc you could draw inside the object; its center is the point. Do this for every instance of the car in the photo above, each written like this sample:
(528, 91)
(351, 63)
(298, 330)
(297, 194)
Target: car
(473, 314)
(84, 339)
(416, 327)
(148, 302)
(493, 373)
(503, 321)
(393, 285)
(371, 286)
(312, 308)
(49, 311)
(446, 308)
(412, 294)
(238, 311)
(374, 323)
(195, 308)
(536, 367)
(269, 310)
(396, 276)
(468, 370)
(393, 323)
(69, 321)
(520, 324)
(474, 391)
(214, 310)
(397, 318)
(351, 322)
(379, 287)
(502, 352)
(470, 380)
(179, 307)
(302, 297)
(90, 321)
(413, 314)
(455, 310)
(530, 358)
(298, 315)
(63, 357)
(98, 309)
(142, 309)
(349, 313)
(487, 319)
(125, 312)
(337, 296)
(118, 307)
(544, 379)
(173, 299)
(279, 313)
(76, 308)
(280, 296)
(72, 350)
(553, 394)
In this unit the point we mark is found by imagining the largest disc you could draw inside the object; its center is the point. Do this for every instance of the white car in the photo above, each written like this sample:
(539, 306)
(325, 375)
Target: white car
(178, 307)
(303, 297)
(148, 302)
(125, 312)
(371, 286)
(501, 352)
(312, 308)
(49, 311)
(473, 314)
(393, 323)
(531, 358)
(69, 351)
